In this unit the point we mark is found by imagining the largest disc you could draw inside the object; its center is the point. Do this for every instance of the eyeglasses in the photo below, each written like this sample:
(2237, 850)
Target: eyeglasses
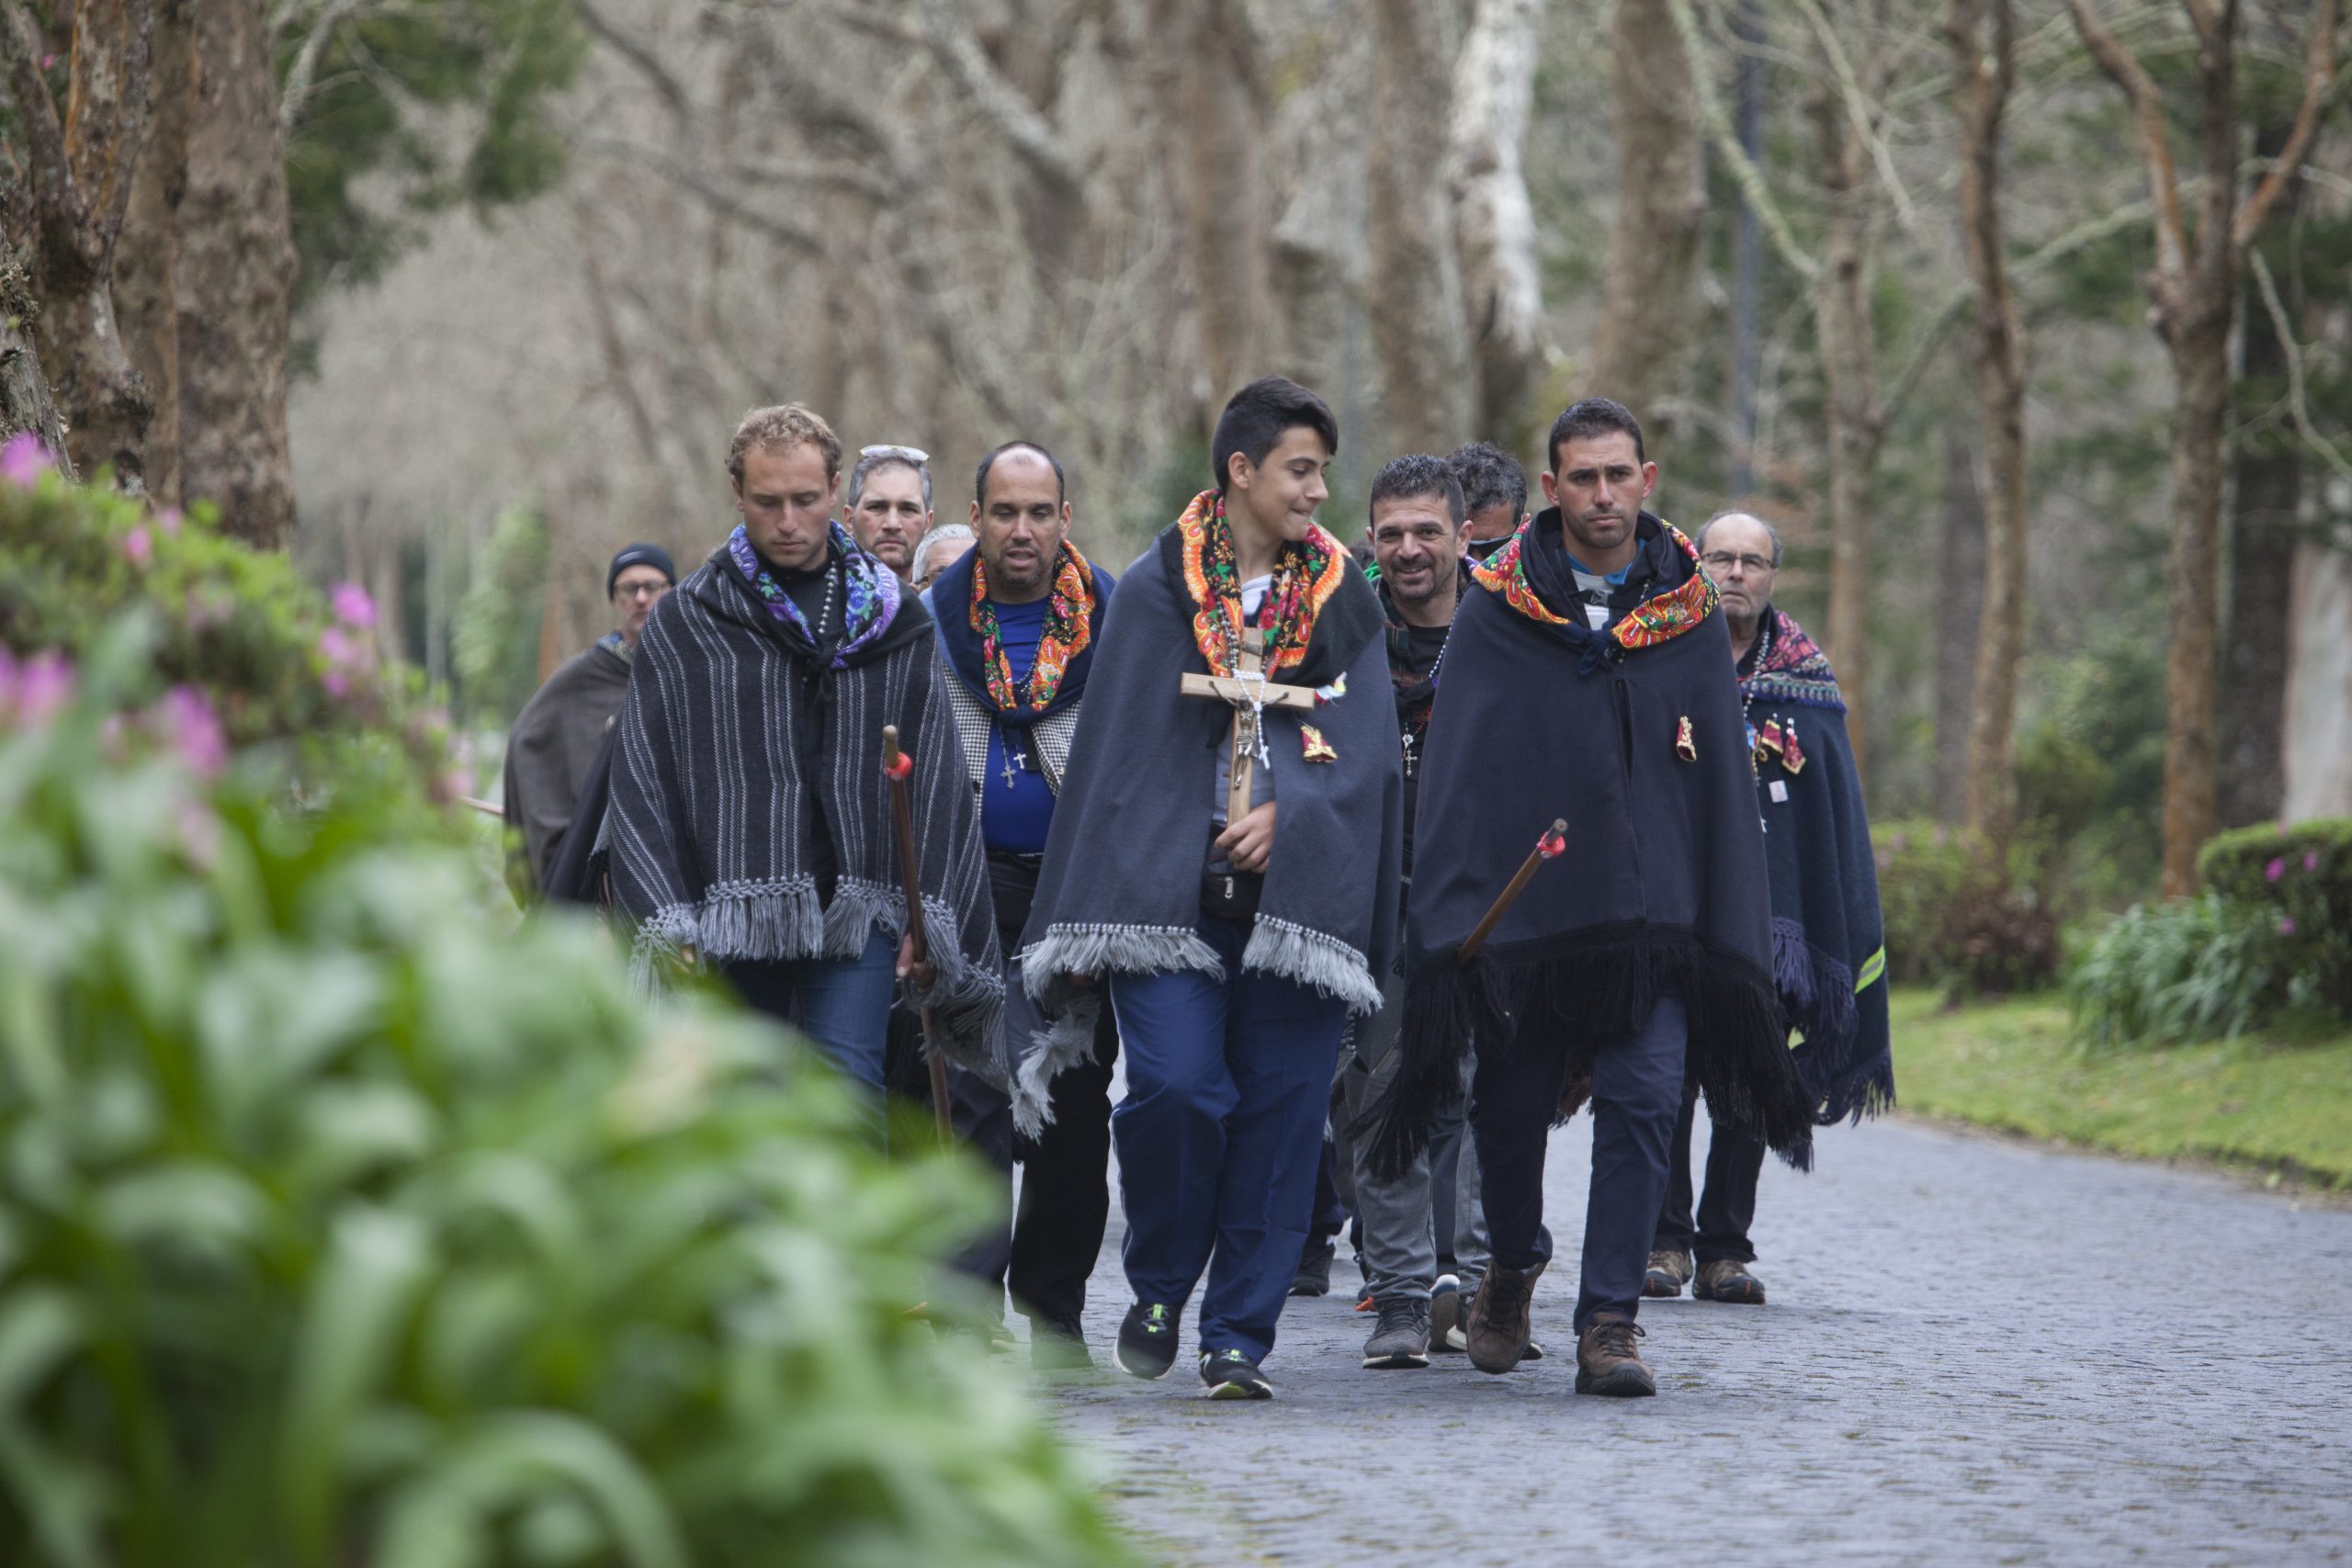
(641, 591)
(1723, 561)
(907, 454)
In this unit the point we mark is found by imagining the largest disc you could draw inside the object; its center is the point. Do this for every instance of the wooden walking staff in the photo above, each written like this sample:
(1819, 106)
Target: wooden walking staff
(1549, 847)
(1248, 692)
(896, 766)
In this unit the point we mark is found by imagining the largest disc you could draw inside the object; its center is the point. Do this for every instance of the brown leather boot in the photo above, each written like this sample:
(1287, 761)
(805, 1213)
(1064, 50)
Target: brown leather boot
(1727, 1279)
(1668, 1272)
(1607, 1361)
(1498, 1326)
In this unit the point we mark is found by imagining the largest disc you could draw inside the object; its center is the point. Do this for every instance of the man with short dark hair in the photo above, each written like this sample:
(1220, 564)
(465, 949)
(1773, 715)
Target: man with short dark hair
(552, 751)
(1019, 617)
(1587, 675)
(750, 819)
(1494, 489)
(1828, 949)
(1415, 533)
(1242, 672)
(889, 504)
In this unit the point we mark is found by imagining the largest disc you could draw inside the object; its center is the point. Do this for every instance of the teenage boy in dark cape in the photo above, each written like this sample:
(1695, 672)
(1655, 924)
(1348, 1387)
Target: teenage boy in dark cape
(1829, 940)
(1232, 952)
(1591, 670)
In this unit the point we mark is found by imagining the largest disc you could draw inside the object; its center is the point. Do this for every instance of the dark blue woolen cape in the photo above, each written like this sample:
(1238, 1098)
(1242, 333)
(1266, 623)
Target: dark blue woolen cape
(1662, 888)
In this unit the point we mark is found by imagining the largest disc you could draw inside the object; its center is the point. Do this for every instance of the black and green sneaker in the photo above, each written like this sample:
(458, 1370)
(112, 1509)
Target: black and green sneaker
(1147, 1340)
(1231, 1374)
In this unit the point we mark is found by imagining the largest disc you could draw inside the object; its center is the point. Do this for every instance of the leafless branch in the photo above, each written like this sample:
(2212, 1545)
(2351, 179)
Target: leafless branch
(2319, 85)
(2297, 393)
(967, 65)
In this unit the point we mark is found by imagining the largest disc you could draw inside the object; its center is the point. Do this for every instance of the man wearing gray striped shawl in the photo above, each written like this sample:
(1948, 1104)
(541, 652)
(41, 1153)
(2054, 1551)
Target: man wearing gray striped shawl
(749, 822)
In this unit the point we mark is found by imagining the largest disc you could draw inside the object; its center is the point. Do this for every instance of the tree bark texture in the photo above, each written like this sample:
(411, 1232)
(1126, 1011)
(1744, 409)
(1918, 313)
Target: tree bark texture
(1416, 287)
(1222, 122)
(1643, 349)
(1494, 219)
(1960, 612)
(1857, 414)
(1984, 71)
(82, 173)
(25, 400)
(235, 280)
(146, 300)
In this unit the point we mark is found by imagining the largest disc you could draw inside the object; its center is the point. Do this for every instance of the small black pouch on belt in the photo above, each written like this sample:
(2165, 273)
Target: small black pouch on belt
(1231, 895)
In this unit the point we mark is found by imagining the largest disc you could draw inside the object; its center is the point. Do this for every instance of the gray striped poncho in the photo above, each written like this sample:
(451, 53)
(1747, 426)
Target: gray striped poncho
(729, 740)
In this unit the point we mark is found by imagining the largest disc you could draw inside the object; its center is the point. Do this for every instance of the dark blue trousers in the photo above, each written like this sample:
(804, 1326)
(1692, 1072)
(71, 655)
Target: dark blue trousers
(1219, 1134)
(1636, 1097)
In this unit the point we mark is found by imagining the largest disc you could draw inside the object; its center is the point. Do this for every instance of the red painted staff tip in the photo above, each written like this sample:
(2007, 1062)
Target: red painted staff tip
(1553, 844)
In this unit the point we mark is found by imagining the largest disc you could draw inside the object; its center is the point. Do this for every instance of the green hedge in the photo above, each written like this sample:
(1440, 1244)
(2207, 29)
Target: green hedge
(2301, 878)
(1951, 924)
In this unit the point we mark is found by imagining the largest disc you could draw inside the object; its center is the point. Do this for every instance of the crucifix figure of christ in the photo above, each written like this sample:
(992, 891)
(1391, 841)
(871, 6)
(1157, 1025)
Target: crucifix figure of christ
(1249, 694)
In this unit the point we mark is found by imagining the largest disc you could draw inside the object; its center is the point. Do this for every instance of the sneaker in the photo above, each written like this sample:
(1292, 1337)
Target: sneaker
(1446, 1304)
(1608, 1363)
(1147, 1340)
(1497, 1331)
(1668, 1272)
(1727, 1279)
(1313, 1277)
(1402, 1337)
(1231, 1374)
(1058, 1345)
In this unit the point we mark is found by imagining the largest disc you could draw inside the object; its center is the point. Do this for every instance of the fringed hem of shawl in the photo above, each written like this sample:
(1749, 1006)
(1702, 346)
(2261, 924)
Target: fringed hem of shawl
(660, 942)
(1867, 1091)
(1311, 958)
(967, 1001)
(1576, 994)
(1063, 1043)
(1817, 989)
(1065, 950)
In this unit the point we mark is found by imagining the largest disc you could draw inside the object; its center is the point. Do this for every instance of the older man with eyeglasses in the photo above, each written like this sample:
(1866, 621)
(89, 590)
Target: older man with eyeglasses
(1829, 958)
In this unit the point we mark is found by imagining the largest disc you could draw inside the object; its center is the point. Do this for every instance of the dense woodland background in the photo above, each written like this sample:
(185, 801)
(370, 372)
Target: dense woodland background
(2029, 324)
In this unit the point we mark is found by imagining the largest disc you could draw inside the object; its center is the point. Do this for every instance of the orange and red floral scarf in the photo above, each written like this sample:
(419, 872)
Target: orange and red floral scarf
(1070, 610)
(1646, 624)
(1306, 574)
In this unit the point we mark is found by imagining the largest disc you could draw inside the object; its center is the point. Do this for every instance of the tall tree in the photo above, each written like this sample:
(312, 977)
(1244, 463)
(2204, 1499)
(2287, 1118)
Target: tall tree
(2194, 289)
(146, 295)
(1415, 286)
(1642, 351)
(1960, 614)
(80, 163)
(1493, 220)
(1983, 51)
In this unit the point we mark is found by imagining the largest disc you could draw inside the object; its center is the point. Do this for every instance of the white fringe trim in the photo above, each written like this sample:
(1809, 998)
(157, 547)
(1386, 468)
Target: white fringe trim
(658, 943)
(1311, 958)
(1065, 950)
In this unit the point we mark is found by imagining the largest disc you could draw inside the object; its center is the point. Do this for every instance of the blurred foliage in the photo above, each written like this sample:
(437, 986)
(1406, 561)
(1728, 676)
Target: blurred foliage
(338, 1225)
(2301, 877)
(2187, 970)
(495, 642)
(1953, 923)
(412, 110)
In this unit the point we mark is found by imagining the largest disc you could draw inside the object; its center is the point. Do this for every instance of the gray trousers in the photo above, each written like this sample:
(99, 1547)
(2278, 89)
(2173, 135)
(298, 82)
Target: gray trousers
(1433, 1208)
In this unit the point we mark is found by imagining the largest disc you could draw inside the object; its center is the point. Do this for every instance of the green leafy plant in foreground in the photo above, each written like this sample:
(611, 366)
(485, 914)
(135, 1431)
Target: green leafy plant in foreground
(335, 1229)
(2191, 969)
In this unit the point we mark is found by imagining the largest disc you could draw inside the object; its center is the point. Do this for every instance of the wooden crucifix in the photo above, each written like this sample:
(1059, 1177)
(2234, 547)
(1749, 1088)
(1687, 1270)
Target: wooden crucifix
(1247, 691)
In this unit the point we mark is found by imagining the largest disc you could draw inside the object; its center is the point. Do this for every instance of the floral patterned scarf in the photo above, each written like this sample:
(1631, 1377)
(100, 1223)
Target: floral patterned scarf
(1658, 620)
(872, 590)
(1306, 574)
(1070, 610)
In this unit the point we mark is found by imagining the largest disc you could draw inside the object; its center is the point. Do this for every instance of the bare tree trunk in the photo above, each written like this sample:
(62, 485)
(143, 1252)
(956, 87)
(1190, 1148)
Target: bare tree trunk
(2192, 578)
(82, 169)
(1856, 414)
(26, 401)
(1416, 295)
(145, 295)
(235, 281)
(1493, 220)
(1984, 70)
(1223, 114)
(1318, 243)
(1960, 611)
(1642, 348)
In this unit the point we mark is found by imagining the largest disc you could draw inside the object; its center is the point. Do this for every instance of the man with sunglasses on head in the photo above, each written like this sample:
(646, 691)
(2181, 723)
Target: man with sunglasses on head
(888, 504)
(1829, 952)
(552, 751)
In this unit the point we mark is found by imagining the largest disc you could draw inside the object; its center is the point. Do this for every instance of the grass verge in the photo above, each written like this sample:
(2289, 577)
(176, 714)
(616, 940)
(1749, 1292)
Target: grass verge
(2275, 1105)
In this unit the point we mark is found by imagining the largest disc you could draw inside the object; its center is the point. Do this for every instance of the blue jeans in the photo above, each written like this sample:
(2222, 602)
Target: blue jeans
(843, 1005)
(1220, 1134)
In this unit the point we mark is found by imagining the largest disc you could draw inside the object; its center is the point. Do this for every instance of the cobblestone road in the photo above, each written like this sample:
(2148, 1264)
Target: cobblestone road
(1975, 1352)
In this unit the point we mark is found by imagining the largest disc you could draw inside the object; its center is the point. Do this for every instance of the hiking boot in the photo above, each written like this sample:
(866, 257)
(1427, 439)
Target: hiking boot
(1402, 1337)
(1313, 1277)
(1147, 1340)
(1231, 1374)
(1446, 1310)
(1669, 1271)
(1058, 1345)
(1607, 1363)
(1498, 1331)
(1727, 1279)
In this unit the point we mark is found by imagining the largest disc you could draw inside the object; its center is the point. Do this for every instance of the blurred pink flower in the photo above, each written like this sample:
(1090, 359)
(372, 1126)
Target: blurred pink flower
(352, 605)
(139, 545)
(2286, 925)
(44, 685)
(336, 682)
(337, 647)
(194, 731)
(2275, 870)
(2310, 860)
(24, 459)
(168, 520)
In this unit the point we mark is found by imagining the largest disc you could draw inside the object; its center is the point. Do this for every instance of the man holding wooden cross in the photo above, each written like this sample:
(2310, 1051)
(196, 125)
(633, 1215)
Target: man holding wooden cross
(1223, 868)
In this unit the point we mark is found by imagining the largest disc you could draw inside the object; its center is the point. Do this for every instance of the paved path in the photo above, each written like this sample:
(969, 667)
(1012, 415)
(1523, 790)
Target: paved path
(1975, 1352)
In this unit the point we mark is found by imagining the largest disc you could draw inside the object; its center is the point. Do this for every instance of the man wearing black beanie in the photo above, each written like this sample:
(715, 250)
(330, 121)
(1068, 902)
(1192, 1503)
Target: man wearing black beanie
(552, 748)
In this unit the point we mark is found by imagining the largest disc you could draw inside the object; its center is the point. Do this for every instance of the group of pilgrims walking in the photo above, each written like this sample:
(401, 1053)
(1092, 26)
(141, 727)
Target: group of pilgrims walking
(1372, 865)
